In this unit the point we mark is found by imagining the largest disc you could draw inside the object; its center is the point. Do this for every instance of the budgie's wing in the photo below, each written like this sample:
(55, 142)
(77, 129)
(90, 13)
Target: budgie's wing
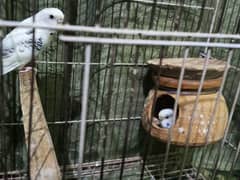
(21, 30)
(16, 51)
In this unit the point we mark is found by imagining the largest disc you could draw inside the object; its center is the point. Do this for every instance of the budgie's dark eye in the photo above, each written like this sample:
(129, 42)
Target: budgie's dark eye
(51, 16)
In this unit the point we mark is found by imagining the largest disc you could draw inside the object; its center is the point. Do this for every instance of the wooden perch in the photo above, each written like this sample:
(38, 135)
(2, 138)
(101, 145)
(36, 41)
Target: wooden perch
(43, 162)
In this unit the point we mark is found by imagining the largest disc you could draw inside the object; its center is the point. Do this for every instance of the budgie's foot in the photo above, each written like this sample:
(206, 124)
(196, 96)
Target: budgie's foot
(28, 68)
(155, 121)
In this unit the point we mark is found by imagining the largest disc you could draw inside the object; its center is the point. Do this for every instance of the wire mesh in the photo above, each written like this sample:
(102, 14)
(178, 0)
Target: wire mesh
(115, 146)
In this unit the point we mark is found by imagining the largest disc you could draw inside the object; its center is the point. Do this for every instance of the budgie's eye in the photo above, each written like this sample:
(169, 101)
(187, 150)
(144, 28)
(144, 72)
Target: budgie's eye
(51, 16)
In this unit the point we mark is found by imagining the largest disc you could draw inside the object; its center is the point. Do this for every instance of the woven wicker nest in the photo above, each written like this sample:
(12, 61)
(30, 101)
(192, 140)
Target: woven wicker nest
(194, 129)
(200, 122)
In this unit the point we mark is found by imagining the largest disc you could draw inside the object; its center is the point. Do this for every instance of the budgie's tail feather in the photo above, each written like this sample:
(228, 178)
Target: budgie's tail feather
(6, 67)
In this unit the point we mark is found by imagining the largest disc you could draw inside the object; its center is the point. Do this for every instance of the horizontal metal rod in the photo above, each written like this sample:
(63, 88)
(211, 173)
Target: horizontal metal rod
(92, 168)
(145, 42)
(115, 31)
(92, 64)
(111, 120)
(173, 4)
(106, 64)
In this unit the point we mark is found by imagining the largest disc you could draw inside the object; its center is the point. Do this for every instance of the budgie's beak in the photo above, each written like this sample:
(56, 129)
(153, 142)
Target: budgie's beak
(60, 20)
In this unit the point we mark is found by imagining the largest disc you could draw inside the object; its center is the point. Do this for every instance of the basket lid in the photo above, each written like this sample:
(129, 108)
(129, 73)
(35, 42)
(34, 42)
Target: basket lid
(171, 67)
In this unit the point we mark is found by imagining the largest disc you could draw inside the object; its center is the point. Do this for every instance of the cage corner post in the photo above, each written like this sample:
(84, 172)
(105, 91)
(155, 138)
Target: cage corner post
(43, 160)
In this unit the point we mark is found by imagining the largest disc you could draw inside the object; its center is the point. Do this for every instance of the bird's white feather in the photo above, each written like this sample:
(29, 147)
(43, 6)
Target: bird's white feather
(18, 49)
(166, 123)
(17, 46)
(166, 117)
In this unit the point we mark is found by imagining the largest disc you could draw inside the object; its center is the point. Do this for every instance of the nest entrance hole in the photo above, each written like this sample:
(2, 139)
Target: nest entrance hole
(164, 101)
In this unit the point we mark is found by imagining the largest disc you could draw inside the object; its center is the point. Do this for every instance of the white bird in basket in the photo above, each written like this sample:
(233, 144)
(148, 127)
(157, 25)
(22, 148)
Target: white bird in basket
(165, 117)
(18, 44)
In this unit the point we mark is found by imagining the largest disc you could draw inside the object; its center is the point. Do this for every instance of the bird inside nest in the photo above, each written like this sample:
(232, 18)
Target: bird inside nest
(164, 110)
(165, 117)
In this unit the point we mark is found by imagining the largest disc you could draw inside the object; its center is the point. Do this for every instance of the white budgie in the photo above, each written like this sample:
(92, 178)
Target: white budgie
(17, 45)
(166, 117)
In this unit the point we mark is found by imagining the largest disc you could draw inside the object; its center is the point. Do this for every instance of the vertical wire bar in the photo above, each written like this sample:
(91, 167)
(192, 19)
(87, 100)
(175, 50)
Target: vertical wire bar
(46, 108)
(237, 24)
(228, 25)
(212, 23)
(210, 153)
(12, 104)
(126, 23)
(201, 15)
(176, 23)
(152, 14)
(219, 153)
(115, 123)
(1, 64)
(158, 19)
(230, 157)
(9, 16)
(166, 19)
(104, 141)
(147, 139)
(98, 92)
(143, 56)
(99, 138)
(133, 85)
(55, 104)
(194, 110)
(192, 28)
(84, 108)
(234, 160)
(95, 105)
(213, 113)
(203, 157)
(233, 11)
(31, 97)
(118, 90)
(68, 55)
(98, 14)
(107, 107)
(46, 76)
(217, 100)
(133, 128)
(99, 96)
(72, 107)
(223, 9)
(122, 108)
(150, 26)
(224, 154)
(227, 17)
(98, 52)
(3, 150)
(186, 52)
(185, 28)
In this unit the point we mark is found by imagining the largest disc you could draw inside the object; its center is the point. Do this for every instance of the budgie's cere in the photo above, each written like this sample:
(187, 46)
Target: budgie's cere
(17, 45)
(166, 118)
